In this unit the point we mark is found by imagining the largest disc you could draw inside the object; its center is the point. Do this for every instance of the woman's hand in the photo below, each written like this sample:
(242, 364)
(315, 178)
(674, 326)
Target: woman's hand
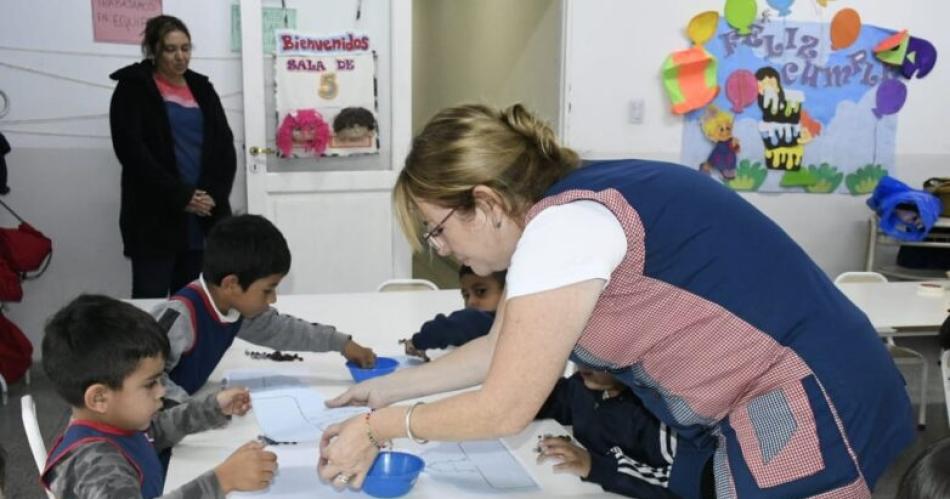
(201, 203)
(234, 401)
(367, 393)
(346, 453)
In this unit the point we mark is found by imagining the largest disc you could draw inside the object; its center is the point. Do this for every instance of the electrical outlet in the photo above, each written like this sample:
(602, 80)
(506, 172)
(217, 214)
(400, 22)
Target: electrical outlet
(636, 111)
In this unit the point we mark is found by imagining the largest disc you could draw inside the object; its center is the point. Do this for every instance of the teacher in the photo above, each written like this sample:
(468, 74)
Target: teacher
(653, 272)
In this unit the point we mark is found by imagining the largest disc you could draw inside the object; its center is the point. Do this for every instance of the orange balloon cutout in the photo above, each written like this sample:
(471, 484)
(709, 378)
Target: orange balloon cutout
(702, 27)
(845, 28)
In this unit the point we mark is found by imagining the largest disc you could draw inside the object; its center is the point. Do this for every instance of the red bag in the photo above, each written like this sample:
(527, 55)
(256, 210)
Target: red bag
(10, 288)
(16, 351)
(24, 247)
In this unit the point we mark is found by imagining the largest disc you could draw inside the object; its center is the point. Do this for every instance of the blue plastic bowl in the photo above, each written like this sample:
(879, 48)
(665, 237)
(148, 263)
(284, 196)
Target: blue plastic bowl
(393, 474)
(384, 365)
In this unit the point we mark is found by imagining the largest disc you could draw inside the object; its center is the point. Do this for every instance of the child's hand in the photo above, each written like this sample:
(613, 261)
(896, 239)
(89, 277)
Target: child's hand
(573, 459)
(249, 468)
(234, 401)
(413, 351)
(359, 355)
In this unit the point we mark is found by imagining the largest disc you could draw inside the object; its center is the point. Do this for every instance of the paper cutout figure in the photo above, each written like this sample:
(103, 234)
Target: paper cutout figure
(845, 28)
(912, 55)
(689, 77)
(304, 130)
(702, 27)
(354, 127)
(740, 14)
(717, 127)
(891, 95)
(741, 89)
(782, 6)
(780, 127)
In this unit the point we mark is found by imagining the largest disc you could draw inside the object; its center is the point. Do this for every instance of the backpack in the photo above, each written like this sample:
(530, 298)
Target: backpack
(16, 351)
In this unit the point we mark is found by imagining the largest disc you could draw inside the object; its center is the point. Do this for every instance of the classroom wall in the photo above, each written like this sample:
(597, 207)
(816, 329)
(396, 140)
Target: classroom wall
(496, 52)
(614, 51)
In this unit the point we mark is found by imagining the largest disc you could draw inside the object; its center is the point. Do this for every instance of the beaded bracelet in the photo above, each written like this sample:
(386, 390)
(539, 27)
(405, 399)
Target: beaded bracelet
(369, 433)
(409, 425)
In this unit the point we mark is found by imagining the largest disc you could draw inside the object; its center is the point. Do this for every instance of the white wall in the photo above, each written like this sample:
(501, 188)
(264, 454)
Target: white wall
(614, 52)
(64, 175)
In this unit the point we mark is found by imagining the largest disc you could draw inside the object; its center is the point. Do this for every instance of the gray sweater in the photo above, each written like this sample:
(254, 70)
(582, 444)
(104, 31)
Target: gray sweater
(99, 469)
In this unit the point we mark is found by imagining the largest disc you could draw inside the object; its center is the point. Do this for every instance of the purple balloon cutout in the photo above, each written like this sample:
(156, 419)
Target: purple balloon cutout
(741, 89)
(891, 95)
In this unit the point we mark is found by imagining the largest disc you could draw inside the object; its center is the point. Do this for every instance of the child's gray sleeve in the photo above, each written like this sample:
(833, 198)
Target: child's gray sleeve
(100, 470)
(171, 425)
(174, 318)
(285, 332)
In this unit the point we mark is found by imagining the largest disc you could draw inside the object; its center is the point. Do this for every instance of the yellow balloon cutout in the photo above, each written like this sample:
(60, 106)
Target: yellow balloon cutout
(824, 3)
(702, 27)
(740, 14)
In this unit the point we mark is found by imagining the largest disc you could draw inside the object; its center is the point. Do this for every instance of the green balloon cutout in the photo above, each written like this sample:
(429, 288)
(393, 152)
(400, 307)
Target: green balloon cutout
(740, 14)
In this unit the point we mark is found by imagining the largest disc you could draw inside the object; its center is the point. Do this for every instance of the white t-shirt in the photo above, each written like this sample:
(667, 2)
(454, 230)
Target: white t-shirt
(566, 244)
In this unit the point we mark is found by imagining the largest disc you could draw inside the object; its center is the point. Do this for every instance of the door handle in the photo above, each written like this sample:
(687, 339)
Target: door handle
(256, 150)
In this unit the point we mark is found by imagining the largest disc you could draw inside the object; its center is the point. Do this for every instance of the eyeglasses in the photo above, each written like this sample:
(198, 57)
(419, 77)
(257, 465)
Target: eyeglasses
(431, 236)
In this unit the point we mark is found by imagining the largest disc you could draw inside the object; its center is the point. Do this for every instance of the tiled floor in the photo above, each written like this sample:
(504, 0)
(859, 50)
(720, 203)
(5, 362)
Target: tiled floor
(22, 481)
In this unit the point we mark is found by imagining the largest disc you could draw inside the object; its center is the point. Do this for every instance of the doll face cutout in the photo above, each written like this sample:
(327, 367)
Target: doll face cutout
(767, 85)
(355, 133)
(721, 132)
(303, 135)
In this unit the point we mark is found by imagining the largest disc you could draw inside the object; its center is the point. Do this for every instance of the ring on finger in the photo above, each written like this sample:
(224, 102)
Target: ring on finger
(344, 478)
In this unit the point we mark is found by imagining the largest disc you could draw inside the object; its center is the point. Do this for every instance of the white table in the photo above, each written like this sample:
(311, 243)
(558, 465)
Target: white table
(377, 320)
(900, 305)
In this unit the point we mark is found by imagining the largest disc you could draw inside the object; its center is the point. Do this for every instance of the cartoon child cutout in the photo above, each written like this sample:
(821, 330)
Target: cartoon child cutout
(354, 127)
(717, 127)
(305, 129)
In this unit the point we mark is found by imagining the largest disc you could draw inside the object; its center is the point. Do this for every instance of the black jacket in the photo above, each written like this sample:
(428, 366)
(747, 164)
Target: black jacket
(631, 451)
(456, 329)
(152, 217)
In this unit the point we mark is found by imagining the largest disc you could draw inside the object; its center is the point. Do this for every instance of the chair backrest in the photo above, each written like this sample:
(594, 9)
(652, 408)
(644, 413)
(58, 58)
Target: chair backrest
(32, 428)
(407, 285)
(859, 277)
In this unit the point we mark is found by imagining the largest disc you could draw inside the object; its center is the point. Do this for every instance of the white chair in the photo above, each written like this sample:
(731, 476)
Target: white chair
(407, 285)
(32, 428)
(902, 356)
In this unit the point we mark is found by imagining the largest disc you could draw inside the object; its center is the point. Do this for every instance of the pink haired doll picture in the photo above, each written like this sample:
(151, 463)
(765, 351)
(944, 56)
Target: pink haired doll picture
(304, 130)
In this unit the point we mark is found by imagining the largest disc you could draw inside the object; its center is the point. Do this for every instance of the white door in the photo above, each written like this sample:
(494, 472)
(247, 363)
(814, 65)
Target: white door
(335, 212)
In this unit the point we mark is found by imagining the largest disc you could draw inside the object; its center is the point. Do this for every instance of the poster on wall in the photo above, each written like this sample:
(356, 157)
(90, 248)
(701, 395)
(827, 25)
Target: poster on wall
(776, 105)
(326, 95)
(272, 19)
(122, 22)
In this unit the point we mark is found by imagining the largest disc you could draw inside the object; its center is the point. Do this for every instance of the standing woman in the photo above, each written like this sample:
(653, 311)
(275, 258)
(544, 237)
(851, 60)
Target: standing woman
(655, 273)
(172, 138)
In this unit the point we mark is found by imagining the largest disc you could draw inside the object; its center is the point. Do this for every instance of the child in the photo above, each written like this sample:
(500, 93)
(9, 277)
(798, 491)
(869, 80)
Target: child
(628, 450)
(245, 259)
(929, 475)
(105, 357)
(481, 296)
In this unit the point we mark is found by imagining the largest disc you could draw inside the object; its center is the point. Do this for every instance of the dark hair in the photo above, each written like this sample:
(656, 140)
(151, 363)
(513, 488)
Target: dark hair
(248, 246)
(465, 270)
(354, 116)
(929, 475)
(155, 30)
(98, 339)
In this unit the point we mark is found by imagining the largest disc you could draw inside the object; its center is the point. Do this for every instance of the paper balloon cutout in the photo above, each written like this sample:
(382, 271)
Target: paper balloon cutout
(689, 77)
(782, 6)
(845, 28)
(702, 27)
(891, 95)
(740, 14)
(823, 3)
(741, 89)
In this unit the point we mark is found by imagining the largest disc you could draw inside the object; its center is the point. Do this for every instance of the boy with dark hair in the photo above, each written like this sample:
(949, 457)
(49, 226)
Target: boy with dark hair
(246, 257)
(481, 295)
(106, 358)
(624, 448)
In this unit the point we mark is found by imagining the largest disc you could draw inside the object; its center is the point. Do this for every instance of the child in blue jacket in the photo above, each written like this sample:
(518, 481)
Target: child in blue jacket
(481, 295)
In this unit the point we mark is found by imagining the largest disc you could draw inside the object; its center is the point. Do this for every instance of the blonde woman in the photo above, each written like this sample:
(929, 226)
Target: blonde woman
(674, 284)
